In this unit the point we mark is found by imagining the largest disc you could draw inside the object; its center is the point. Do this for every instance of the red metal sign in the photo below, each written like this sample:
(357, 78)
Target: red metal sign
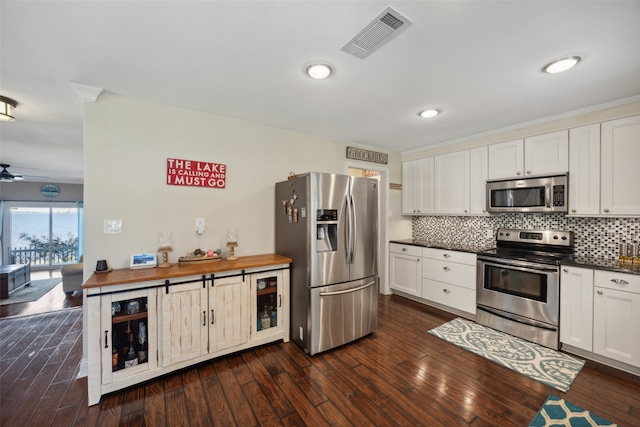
(196, 174)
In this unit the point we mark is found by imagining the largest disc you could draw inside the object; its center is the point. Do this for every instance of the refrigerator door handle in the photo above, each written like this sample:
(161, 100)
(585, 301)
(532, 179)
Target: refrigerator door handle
(354, 234)
(347, 291)
(348, 226)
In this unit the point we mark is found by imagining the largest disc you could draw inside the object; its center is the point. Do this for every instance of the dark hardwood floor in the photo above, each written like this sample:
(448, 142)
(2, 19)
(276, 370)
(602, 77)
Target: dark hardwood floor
(400, 375)
(53, 300)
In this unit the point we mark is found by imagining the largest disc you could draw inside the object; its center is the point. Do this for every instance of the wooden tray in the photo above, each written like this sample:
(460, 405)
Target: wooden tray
(201, 259)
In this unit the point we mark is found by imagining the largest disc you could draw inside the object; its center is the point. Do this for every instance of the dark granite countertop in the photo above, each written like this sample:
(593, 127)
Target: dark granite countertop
(602, 264)
(443, 245)
(575, 261)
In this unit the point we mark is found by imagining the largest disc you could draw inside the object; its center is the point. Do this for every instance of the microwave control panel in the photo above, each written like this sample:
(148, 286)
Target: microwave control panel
(558, 195)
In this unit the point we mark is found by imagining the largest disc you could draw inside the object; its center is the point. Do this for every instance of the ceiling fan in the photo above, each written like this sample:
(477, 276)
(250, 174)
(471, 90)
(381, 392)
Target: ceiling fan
(6, 176)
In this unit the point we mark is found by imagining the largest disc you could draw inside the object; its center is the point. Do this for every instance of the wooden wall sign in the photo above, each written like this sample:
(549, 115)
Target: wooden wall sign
(367, 156)
(193, 173)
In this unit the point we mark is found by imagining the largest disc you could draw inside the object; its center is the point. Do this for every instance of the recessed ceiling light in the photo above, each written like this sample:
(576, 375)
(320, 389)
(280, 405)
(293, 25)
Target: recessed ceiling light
(319, 71)
(561, 65)
(427, 114)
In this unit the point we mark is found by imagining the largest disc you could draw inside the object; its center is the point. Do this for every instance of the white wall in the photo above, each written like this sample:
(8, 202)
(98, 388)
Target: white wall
(127, 143)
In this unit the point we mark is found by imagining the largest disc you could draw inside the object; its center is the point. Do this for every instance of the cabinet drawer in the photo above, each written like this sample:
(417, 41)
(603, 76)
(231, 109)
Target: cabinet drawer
(451, 256)
(449, 295)
(618, 281)
(405, 249)
(449, 272)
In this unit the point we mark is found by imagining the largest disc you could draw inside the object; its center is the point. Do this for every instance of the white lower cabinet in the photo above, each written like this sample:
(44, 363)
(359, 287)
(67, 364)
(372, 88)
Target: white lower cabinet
(616, 318)
(130, 335)
(183, 314)
(449, 279)
(404, 268)
(576, 307)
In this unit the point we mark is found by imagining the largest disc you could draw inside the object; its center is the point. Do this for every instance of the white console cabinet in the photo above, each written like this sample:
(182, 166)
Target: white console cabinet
(145, 323)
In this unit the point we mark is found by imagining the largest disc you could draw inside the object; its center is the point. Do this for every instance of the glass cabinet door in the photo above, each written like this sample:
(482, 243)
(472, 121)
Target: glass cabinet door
(266, 303)
(129, 331)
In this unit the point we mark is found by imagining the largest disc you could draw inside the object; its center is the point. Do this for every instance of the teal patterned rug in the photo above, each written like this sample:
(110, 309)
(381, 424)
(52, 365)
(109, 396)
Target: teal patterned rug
(543, 364)
(559, 412)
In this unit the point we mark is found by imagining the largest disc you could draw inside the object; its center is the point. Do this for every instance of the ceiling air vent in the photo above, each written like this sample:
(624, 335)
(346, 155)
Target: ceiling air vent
(382, 29)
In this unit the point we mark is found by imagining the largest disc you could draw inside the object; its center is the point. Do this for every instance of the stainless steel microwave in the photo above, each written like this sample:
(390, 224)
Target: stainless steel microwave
(537, 194)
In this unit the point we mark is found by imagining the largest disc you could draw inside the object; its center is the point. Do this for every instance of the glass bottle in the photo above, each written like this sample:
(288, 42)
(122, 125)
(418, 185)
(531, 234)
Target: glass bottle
(265, 318)
(130, 359)
(274, 313)
(142, 338)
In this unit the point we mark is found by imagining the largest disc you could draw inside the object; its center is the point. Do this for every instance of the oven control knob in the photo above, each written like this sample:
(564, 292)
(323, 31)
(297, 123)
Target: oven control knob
(564, 237)
(508, 234)
(555, 237)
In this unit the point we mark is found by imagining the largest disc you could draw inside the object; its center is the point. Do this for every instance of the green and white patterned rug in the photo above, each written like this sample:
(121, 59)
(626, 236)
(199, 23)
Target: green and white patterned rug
(558, 412)
(543, 364)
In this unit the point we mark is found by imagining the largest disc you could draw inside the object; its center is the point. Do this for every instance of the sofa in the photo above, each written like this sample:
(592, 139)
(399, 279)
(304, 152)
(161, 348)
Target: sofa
(72, 277)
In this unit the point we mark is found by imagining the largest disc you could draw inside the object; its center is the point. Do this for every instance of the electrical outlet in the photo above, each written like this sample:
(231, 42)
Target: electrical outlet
(199, 225)
(489, 234)
(112, 226)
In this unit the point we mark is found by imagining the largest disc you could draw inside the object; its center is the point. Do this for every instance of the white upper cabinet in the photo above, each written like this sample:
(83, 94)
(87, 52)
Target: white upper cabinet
(546, 154)
(452, 183)
(506, 160)
(584, 170)
(478, 174)
(620, 167)
(417, 187)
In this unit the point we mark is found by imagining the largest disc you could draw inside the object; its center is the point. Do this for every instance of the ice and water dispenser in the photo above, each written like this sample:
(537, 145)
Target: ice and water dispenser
(327, 230)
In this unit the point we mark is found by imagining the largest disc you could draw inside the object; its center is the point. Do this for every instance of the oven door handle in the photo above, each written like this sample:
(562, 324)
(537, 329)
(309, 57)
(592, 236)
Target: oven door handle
(517, 319)
(531, 268)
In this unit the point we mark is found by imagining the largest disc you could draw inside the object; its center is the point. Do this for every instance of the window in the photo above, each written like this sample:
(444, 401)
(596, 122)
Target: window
(43, 234)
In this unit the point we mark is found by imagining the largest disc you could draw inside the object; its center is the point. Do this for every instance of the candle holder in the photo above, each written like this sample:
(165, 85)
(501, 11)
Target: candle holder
(165, 240)
(232, 243)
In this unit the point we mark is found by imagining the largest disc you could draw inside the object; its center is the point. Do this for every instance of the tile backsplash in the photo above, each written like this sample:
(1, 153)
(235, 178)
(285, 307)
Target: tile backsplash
(594, 237)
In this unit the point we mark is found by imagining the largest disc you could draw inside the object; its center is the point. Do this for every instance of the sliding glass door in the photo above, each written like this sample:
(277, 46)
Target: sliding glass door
(44, 235)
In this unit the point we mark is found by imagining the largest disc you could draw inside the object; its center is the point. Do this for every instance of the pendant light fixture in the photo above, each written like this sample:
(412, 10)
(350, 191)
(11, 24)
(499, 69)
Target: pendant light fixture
(7, 105)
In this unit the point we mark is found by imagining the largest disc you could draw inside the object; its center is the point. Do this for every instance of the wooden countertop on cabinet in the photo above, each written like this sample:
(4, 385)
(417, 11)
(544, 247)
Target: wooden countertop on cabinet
(127, 275)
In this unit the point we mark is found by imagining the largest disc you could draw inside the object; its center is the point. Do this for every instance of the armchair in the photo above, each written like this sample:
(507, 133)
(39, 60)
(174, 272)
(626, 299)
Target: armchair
(72, 277)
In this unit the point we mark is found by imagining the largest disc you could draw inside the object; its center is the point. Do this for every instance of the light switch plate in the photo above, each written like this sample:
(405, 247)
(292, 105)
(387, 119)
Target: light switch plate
(112, 226)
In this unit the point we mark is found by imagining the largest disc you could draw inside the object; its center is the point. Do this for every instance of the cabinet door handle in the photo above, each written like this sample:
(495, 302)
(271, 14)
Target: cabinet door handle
(599, 292)
(446, 268)
(446, 291)
(528, 172)
(620, 281)
(404, 249)
(204, 318)
(106, 339)
(446, 255)
(518, 173)
(279, 300)
(606, 210)
(213, 317)
(565, 270)
(573, 210)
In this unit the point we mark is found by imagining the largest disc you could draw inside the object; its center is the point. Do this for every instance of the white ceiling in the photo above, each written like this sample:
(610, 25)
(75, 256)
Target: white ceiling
(479, 61)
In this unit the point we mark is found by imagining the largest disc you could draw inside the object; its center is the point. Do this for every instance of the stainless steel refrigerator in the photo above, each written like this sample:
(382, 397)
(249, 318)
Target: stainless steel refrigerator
(328, 225)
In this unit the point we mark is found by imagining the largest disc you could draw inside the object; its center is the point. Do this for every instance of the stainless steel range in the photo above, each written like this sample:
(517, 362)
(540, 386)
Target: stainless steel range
(518, 283)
